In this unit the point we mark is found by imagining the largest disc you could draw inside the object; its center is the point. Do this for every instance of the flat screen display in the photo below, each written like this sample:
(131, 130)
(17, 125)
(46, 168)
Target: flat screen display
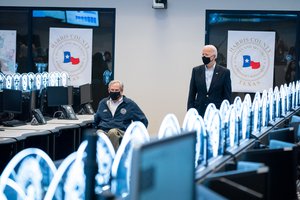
(85, 18)
(249, 182)
(12, 101)
(286, 134)
(85, 94)
(164, 169)
(58, 95)
(282, 163)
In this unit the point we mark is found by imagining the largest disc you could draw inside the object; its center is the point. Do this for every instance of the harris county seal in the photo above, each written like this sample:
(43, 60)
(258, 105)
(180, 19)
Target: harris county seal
(250, 60)
(70, 54)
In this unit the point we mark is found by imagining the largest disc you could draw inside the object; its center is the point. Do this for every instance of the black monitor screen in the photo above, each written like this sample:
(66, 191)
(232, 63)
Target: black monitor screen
(164, 169)
(282, 165)
(283, 134)
(12, 101)
(57, 96)
(70, 95)
(85, 94)
(230, 184)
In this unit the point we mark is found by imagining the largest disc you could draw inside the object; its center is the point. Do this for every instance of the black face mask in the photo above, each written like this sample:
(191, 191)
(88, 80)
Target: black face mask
(114, 95)
(205, 60)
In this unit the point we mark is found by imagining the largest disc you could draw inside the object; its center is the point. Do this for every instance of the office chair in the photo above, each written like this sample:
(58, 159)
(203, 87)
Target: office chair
(169, 126)
(32, 170)
(135, 135)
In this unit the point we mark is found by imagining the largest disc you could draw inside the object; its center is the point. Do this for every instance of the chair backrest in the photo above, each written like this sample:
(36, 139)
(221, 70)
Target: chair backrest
(297, 88)
(264, 109)
(224, 108)
(139, 130)
(238, 105)
(282, 93)
(194, 122)
(68, 181)
(255, 114)
(245, 121)
(271, 104)
(247, 99)
(32, 170)
(277, 103)
(191, 114)
(105, 158)
(13, 191)
(293, 95)
(232, 127)
(169, 126)
(215, 137)
(135, 134)
(209, 109)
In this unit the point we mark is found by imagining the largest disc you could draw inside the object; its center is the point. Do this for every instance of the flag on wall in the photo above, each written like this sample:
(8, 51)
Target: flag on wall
(68, 58)
(250, 58)
(247, 62)
(70, 50)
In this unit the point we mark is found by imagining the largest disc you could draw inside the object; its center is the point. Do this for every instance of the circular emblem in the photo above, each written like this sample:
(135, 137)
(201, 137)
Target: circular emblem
(70, 54)
(123, 111)
(250, 59)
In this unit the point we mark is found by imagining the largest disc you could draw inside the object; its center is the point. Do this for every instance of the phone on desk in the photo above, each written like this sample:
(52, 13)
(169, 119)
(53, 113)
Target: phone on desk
(88, 109)
(68, 112)
(39, 116)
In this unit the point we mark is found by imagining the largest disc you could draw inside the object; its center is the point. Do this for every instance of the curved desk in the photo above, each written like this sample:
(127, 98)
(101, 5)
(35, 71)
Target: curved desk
(261, 137)
(8, 150)
(58, 138)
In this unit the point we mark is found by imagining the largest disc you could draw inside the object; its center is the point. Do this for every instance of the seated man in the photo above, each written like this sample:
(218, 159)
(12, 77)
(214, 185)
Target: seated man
(116, 112)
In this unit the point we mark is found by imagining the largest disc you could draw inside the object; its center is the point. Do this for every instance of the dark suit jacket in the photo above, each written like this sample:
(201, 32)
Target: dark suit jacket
(220, 88)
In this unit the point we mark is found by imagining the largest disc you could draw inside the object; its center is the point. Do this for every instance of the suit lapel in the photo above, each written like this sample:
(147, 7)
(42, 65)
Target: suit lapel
(214, 78)
(202, 78)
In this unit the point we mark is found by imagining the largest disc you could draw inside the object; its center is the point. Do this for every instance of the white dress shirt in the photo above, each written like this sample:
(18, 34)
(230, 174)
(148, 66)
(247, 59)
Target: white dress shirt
(114, 105)
(209, 72)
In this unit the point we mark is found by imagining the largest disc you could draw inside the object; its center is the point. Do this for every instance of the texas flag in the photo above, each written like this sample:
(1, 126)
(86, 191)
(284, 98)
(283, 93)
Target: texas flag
(68, 58)
(248, 63)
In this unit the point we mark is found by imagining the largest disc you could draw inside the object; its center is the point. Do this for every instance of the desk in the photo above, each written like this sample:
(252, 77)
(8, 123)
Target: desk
(58, 138)
(8, 150)
(69, 130)
(219, 163)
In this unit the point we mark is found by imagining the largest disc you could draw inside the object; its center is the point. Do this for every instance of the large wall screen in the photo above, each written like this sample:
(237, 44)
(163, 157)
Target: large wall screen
(284, 24)
(32, 27)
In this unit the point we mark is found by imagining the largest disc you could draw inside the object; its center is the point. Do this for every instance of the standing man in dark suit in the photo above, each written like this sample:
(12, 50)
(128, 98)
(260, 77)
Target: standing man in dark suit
(210, 83)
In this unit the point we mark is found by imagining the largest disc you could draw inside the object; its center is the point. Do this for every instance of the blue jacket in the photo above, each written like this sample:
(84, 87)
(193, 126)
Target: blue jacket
(127, 112)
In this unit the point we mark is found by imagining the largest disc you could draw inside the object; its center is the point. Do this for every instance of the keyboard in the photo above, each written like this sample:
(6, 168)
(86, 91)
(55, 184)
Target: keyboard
(13, 123)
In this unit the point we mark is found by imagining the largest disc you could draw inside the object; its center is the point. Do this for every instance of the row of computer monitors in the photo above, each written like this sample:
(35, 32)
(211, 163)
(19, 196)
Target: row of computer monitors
(12, 101)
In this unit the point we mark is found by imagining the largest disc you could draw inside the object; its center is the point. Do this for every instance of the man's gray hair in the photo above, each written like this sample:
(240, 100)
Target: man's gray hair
(213, 48)
(116, 81)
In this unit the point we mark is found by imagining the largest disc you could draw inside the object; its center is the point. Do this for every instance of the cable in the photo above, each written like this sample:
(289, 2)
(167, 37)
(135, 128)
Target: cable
(62, 116)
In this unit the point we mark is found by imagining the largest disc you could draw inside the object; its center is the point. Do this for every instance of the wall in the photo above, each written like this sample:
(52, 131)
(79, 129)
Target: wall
(155, 50)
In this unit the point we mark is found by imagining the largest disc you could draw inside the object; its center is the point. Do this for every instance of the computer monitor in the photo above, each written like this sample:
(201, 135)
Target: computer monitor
(29, 102)
(282, 163)
(164, 169)
(11, 101)
(58, 95)
(283, 134)
(248, 183)
(295, 122)
(85, 94)
(33, 99)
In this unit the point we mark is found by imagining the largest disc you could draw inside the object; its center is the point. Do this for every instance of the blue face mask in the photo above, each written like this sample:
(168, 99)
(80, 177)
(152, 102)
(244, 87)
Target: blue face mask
(205, 60)
(114, 95)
